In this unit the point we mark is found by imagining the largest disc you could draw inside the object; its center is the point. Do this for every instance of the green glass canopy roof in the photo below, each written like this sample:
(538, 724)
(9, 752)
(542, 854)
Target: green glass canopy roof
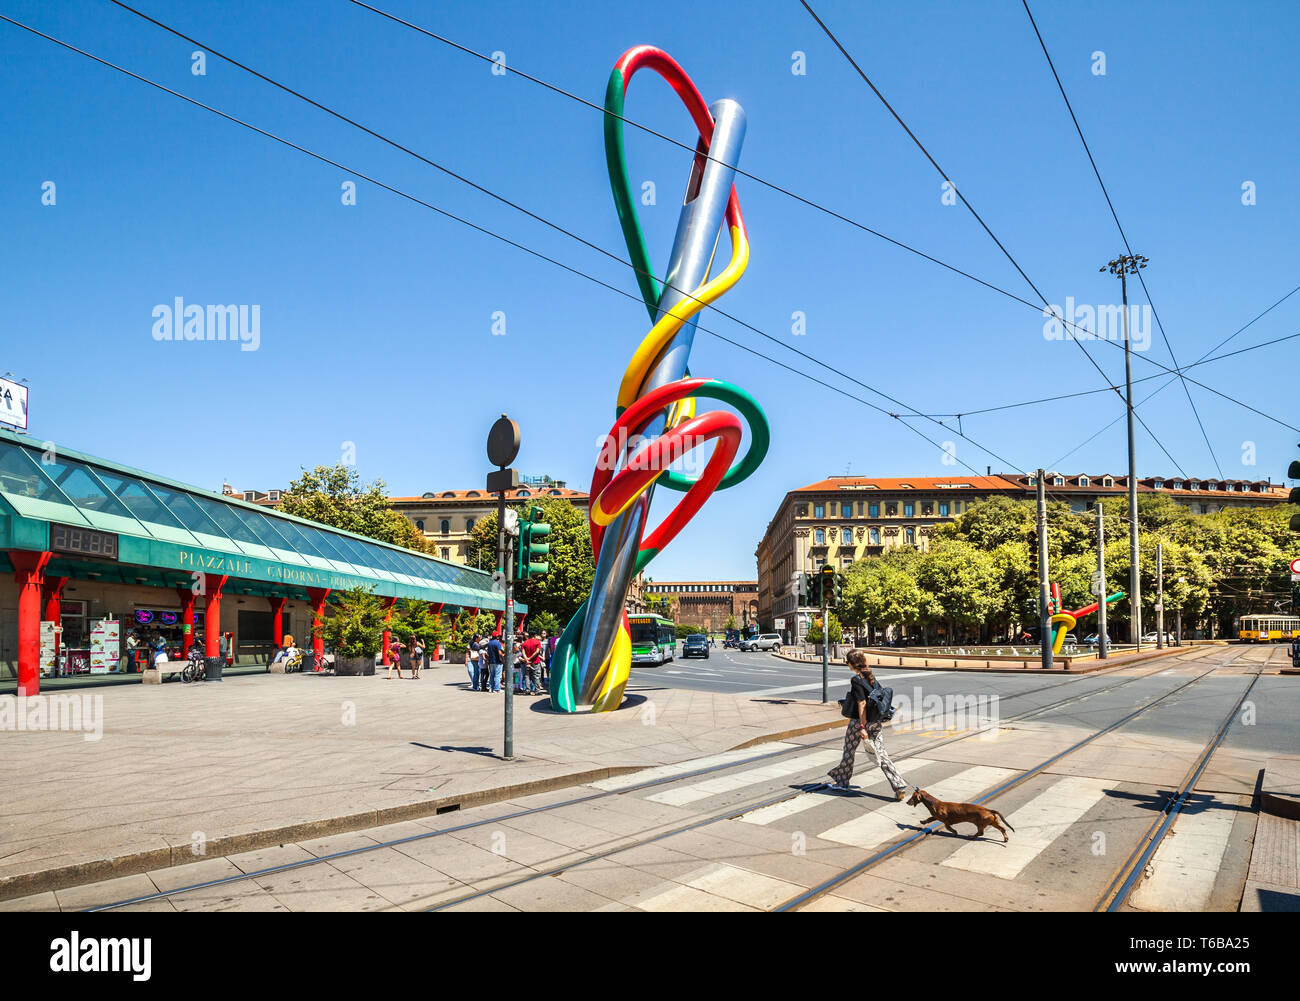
(170, 526)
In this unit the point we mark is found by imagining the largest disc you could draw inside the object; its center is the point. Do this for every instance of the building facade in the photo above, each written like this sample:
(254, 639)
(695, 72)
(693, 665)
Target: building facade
(705, 604)
(447, 517)
(846, 518)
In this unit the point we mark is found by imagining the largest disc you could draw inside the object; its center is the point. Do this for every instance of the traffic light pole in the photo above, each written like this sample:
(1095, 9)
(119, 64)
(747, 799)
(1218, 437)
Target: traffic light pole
(510, 653)
(1160, 595)
(1102, 641)
(826, 645)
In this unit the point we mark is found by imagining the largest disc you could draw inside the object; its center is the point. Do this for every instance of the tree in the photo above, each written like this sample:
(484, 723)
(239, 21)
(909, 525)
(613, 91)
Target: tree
(466, 626)
(568, 582)
(355, 629)
(335, 496)
(815, 630)
(413, 618)
(731, 622)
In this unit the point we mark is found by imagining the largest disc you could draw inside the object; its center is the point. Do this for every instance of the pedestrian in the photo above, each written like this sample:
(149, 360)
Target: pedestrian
(532, 664)
(472, 655)
(548, 651)
(395, 659)
(417, 656)
(495, 661)
(859, 729)
(518, 652)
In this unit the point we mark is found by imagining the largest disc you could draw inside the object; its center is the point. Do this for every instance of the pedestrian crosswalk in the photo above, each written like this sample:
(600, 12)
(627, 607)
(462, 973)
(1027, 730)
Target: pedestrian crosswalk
(684, 767)
(887, 822)
(768, 815)
(776, 770)
(1037, 824)
(1186, 866)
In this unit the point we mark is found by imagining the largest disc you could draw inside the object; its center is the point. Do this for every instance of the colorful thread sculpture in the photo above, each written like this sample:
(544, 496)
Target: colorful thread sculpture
(1063, 622)
(657, 394)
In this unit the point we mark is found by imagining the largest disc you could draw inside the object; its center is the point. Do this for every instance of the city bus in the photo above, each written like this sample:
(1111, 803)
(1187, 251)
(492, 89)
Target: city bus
(1267, 628)
(654, 639)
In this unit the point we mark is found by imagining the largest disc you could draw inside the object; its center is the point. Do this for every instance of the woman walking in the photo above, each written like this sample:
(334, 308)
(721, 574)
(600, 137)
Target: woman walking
(472, 653)
(417, 656)
(859, 730)
(395, 655)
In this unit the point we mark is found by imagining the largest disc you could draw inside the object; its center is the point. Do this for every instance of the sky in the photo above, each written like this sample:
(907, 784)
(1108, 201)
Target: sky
(395, 336)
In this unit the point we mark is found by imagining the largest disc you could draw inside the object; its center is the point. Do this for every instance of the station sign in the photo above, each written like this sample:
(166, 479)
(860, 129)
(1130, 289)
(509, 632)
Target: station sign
(13, 404)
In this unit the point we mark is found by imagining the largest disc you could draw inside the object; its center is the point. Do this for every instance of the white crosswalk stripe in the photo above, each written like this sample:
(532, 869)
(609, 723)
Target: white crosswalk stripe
(780, 769)
(1037, 824)
(1186, 865)
(817, 797)
(888, 822)
(683, 767)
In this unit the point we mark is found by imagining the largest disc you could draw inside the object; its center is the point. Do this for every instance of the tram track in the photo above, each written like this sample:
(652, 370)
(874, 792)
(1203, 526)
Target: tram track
(650, 783)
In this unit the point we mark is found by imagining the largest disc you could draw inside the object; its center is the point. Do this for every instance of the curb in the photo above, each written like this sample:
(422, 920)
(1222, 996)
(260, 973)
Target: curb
(1122, 660)
(65, 877)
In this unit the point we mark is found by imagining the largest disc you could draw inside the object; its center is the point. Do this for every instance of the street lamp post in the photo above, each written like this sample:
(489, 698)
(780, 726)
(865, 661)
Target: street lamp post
(1123, 266)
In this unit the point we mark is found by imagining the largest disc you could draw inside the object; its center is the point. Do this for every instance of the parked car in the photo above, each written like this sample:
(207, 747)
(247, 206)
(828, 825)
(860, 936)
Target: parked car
(1094, 639)
(695, 645)
(764, 641)
(1151, 638)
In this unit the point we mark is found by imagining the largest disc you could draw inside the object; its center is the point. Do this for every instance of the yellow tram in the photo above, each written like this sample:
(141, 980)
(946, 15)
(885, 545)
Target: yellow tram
(1268, 628)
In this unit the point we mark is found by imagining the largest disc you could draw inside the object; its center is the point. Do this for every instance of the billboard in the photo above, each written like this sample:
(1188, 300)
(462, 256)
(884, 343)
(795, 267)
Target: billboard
(13, 404)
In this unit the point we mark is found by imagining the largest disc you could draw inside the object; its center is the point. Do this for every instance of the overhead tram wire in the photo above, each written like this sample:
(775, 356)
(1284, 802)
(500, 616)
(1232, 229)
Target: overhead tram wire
(481, 229)
(1123, 236)
(554, 88)
(539, 218)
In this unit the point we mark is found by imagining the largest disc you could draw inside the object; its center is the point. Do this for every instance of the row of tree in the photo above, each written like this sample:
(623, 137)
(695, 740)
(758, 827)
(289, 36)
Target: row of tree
(978, 580)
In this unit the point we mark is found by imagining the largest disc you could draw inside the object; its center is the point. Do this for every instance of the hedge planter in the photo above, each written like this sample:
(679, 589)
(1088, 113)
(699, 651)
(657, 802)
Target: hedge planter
(456, 656)
(354, 666)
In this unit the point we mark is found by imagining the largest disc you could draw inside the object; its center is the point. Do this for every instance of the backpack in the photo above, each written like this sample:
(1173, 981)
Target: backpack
(880, 705)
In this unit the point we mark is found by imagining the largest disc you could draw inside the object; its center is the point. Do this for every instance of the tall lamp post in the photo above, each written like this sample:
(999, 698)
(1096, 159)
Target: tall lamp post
(1123, 266)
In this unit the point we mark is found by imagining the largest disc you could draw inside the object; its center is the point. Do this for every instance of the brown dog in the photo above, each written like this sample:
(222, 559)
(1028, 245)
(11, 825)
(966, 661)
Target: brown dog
(960, 813)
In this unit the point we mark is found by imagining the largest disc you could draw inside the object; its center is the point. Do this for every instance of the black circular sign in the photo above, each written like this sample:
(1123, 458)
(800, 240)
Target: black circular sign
(503, 442)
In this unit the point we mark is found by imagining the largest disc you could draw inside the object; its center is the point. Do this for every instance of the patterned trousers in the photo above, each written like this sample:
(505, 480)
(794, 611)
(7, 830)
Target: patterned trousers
(842, 772)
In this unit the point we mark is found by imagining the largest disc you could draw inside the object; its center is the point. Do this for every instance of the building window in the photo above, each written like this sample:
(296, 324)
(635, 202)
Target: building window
(419, 523)
(910, 535)
(1032, 480)
(523, 493)
(875, 536)
(909, 509)
(1058, 481)
(1205, 509)
(821, 537)
(469, 524)
(1157, 484)
(874, 510)
(819, 510)
(859, 509)
(846, 510)
(1083, 481)
(927, 508)
(1107, 482)
(445, 527)
(274, 495)
(943, 509)
(891, 510)
(802, 511)
(446, 553)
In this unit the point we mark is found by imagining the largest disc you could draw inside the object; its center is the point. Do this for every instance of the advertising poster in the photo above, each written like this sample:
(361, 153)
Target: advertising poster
(104, 646)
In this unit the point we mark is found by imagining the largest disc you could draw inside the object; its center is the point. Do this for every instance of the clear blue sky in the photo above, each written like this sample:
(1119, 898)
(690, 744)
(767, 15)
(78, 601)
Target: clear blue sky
(376, 320)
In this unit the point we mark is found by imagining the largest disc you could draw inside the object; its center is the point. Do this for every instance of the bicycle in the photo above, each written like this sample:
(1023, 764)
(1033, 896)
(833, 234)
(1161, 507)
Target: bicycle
(195, 668)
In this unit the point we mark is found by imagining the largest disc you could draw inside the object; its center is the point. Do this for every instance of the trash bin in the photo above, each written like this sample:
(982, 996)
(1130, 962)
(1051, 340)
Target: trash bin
(212, 668)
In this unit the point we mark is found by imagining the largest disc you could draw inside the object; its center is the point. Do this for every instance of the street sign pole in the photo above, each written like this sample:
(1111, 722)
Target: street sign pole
(826, 644)
(1160, 595)
(502, 447)
(510, 663)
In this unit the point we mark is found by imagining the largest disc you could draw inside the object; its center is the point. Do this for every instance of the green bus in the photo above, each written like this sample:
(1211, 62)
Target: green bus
(654, 639)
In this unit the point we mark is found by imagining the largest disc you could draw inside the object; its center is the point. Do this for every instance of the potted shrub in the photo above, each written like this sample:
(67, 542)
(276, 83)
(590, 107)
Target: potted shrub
(413, 618)
(464, 629)
(354, 632)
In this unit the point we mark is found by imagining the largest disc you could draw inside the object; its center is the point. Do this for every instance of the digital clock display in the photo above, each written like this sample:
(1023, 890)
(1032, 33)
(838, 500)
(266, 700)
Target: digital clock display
(83, 541)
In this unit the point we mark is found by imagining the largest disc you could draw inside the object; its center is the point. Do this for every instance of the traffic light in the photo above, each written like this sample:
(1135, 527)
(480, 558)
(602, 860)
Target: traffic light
(837, 594)
(814, 596)
(801, 591)
(531, 530)
(828, 584)
(1293, 473)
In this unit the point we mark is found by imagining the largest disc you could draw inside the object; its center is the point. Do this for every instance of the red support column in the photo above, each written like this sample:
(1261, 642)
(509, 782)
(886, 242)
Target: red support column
(388, 614)
(212, 586)
(435, 654)
(29, 572)
(500, 616)
(186, 595)
(52, 604)
(317, 596)
(519, 623)
(277, 618)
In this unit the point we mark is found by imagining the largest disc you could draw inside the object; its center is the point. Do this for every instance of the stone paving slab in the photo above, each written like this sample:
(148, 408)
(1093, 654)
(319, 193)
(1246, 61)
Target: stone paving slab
(269, 759)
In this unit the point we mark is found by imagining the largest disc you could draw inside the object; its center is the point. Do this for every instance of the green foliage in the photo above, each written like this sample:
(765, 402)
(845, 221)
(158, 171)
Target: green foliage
(815, 630)
(466, 626)
(568, 582)
(412, 618)
(355, 629)
(978, 580)
(335, 496)
(544, 622)
(731, 622)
